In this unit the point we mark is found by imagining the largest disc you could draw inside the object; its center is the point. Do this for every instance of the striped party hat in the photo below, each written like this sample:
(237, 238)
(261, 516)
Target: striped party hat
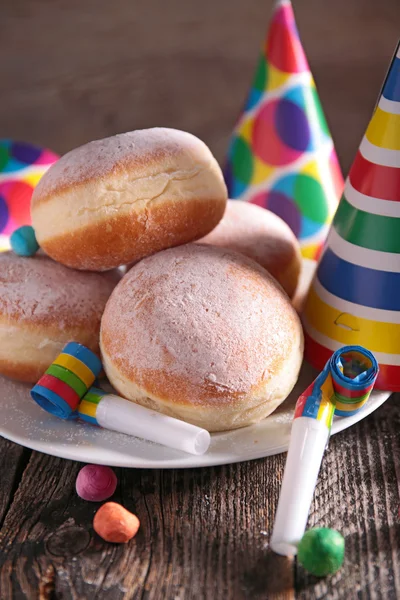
(281, 155)
(355, 295)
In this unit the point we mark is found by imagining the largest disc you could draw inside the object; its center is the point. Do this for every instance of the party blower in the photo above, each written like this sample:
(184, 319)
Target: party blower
(66, 391)
(342, 388)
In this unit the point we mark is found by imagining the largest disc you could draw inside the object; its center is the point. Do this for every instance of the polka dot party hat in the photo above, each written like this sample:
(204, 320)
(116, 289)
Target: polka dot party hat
(21, 167)
(355, 296)
(281, 155)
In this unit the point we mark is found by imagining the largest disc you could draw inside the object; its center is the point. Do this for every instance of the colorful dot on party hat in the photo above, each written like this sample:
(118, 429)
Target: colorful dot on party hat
(21, 167)
(283, 47)
(321, 551)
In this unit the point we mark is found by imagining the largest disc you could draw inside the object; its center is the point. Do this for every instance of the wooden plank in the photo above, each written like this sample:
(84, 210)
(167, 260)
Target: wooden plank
(13, 460)
(358, 494)
(203, 533)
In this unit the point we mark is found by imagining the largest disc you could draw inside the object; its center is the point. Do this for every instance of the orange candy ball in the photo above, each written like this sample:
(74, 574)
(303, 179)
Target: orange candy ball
(114, 523)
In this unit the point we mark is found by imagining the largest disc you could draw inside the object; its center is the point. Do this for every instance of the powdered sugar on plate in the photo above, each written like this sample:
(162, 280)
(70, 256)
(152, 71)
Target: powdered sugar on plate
(23, 422)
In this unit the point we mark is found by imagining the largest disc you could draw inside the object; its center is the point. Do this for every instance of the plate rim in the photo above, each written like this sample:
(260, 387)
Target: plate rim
(192, 461)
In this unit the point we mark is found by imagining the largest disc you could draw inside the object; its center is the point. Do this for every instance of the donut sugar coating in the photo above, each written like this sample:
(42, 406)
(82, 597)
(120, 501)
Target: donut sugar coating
(263, 236)
(114, 201)
(202, 334)
(44, 305)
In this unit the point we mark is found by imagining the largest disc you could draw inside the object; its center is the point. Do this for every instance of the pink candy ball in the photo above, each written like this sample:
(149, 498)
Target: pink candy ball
(96, 483)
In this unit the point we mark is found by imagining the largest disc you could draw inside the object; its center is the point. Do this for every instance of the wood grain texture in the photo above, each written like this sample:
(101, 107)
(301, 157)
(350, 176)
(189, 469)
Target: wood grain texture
(13, 460)
(74, 71)
(204, 532)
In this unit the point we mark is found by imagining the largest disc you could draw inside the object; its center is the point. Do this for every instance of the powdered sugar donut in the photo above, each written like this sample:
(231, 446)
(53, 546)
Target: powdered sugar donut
(114, 201)
(44, 305)
(202, 334)
(263, 236)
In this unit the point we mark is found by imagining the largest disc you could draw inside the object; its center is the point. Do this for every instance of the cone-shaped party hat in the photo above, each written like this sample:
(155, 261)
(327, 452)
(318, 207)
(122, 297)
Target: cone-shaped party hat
(355, 295)
(281, 155)
(21, 167)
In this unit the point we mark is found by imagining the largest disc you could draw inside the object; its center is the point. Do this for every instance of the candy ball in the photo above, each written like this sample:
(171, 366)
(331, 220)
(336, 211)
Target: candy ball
(321, 551)
(23, 241)
(96, 483)
(114, 523)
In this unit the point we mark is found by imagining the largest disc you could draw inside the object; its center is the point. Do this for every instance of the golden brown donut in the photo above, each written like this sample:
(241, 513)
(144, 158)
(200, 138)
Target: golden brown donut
(263, 236)
(116, 200)
(44, 305)
(202, 334)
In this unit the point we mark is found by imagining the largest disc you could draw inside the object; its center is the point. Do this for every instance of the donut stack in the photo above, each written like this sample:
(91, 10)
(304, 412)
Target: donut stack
(198, 332)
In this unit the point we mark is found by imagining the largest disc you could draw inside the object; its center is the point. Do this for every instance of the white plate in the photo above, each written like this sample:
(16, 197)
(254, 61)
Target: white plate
(23, 422)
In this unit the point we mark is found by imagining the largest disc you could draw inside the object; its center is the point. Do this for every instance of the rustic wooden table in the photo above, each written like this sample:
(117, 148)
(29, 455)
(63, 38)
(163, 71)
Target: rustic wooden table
(204, 532)
(76, 71)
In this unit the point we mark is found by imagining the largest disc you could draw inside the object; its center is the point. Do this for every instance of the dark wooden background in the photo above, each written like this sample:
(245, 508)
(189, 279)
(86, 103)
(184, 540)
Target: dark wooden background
(76, 70)
(72, 71)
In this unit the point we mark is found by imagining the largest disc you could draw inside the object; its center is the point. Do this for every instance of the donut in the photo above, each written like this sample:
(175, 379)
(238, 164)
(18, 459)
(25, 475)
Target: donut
(44, 305)
(114, 201)
(263, 236)
(202, 334)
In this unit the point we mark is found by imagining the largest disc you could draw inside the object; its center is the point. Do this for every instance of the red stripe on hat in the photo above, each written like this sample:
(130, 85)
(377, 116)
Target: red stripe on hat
(317, 355)
(61, 389)
(375, 180)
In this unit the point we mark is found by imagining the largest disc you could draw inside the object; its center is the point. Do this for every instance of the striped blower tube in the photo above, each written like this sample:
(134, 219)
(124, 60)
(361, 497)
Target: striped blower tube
(342, 388)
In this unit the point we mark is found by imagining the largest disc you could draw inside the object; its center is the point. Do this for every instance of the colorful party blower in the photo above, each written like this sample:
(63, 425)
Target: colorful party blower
(67, 380)
(355, 295)
(66, 391)
(21, 167)
(281, 155)
(342, 388)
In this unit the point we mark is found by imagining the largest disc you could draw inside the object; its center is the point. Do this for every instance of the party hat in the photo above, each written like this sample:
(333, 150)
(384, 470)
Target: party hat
(281, 154)
(355, 295)
(21, 167)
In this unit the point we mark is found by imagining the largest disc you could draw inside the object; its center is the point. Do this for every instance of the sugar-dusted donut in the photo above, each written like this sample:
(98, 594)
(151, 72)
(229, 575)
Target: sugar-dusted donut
(263, 236)
(44, 305)
(202, 334)
(116, 200)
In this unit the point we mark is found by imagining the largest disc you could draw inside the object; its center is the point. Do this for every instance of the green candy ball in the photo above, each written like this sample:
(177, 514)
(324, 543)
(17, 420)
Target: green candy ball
(321, 551)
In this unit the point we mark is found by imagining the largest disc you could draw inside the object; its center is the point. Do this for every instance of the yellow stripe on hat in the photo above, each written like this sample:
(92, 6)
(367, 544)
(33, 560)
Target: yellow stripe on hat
(76, 366)
(384, 130)
(350, 329)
